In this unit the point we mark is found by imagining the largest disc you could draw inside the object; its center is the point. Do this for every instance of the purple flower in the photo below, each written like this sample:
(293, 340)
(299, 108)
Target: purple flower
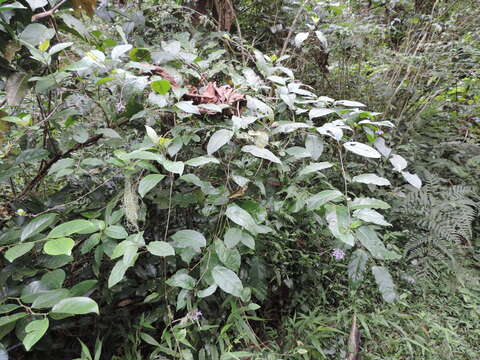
(379, 132)
(338, 254)
(195, 315)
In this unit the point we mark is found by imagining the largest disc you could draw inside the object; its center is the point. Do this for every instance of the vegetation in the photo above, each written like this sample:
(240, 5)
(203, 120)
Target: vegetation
(239, 180)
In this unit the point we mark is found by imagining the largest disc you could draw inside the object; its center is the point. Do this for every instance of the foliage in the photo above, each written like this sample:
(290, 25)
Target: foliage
(198, 189)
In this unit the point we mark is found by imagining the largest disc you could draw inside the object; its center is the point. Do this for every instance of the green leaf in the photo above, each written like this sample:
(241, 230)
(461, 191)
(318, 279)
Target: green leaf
(54, 279)
(229, 257)
(234, 235)
(72, 227)
(49, 298)
(241, 217)
(189, 238)
(116, 232)
(8, 308)
(117, 274)
(261, 153)
(372, 179)
(369, 238)
(218, 139)
(160, 248)
(338, 220)
(37, 225)
(371, 216)
(34, 34)
(83, 287)
(366, 203)
(161, 87)
(18, 250)
(16, 87)
(181, 279)
(314, 146)
(35, 4)
(227, 280)
(207, 292)
(357, 265)
(148, 183)
(35, 331)
(385, 283)
(202, 160)
(188, 107)
(319, 112)
(362, 149)
(314, 167)
(60, 246)
(76, 306)
(4, 320)
(175, 167)
(289, 126)
(323, 197)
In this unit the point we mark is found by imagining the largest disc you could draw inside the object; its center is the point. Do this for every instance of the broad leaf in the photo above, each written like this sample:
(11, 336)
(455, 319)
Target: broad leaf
(371, 179)
(227, 280)
(189, 238)
(18, 250)
(160, 248)
(368, 203)
(161, 87)
(34, 332)
(314, 146)
(369, 238)
(37, 225)
(117, 274)
(371, 216)
(241, 217)
(202, 160)
(16, 87)
(319, 112)
(148, 183)
(59, 246)
(72, 227)
(385, 283)
(357, 265)
(76, 306)
(398, 162)
(182, 280)
(218, 139)
(261, 153)
(316, 201)
(338, 220)
(412, 179)
(362, 149)
(188, 107)
(315, 167)
(207, 292)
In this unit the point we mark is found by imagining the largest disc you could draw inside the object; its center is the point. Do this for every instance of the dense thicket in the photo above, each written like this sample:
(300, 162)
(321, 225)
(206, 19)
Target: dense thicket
(239, 180)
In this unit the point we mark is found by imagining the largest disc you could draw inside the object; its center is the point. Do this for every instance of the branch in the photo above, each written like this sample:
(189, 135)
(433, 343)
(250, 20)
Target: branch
(44, 170)
(47, 13)
(292, 28)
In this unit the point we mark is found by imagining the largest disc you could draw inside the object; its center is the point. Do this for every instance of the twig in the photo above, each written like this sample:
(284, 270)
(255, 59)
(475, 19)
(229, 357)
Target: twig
(47, 13)
(44, 170)
(292, 28)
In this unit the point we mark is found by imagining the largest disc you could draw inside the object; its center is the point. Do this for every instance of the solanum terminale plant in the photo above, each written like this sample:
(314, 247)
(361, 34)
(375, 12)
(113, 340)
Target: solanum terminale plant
(126, 189)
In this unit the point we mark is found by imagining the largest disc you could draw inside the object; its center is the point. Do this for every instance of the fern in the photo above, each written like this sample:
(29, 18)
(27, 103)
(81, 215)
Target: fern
(441, 221)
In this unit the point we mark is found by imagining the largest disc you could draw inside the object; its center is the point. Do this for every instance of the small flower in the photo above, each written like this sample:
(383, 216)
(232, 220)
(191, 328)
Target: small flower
(379, 132)
(195, 315)
(338, 254)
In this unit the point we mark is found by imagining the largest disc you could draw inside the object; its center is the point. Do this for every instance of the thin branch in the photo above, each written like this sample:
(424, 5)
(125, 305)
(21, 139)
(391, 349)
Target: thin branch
(292, 28)
(47, 13)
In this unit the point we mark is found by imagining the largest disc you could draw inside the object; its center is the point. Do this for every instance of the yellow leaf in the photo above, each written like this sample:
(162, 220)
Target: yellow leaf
(44, 45)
